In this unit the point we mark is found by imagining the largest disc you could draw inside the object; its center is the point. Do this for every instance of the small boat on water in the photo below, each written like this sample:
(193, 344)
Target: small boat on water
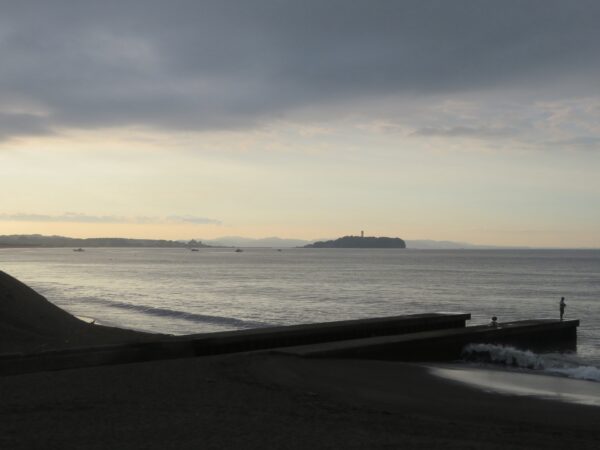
(193, 250)
(78, 249)
(238, 250)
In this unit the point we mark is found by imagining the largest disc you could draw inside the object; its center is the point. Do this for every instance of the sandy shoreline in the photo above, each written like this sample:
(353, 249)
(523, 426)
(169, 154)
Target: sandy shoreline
(252, 400)
(539, 384)
(276, 401)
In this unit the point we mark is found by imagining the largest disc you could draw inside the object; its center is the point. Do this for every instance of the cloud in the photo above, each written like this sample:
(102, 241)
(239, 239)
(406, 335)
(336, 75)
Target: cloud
(219, 64)
(15, 124)
(193, 219)
(66, 217)
(86, 218)
(585, 143)
(465, 131)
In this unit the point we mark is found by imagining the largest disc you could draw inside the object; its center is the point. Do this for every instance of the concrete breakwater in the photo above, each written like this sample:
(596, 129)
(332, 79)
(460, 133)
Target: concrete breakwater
(447, 344)
(422, 337)
(228, 342)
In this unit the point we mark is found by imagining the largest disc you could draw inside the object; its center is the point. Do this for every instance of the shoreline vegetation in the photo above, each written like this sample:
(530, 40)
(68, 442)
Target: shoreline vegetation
(360, 242)
(252, 400)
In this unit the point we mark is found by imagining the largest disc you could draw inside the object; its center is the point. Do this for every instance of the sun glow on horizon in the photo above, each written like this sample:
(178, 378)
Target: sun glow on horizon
(129, 129)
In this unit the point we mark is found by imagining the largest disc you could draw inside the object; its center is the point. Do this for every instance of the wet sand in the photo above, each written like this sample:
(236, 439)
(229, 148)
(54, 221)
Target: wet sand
(526, 383)
(254, 400)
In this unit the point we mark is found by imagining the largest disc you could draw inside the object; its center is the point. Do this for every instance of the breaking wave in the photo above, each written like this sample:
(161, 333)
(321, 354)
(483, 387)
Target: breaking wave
(184, 315)
(550, 363)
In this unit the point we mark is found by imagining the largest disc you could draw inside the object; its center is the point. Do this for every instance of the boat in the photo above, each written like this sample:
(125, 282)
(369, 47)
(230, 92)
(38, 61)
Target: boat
(238, 250)
(193, 250)
(78, 249)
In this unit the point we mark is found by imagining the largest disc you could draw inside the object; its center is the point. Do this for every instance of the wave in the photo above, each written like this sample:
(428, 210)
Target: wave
(184, 315)
(551, 363)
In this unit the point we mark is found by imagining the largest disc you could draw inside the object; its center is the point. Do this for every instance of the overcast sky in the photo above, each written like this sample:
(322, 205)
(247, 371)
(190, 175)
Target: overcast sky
(476, 121)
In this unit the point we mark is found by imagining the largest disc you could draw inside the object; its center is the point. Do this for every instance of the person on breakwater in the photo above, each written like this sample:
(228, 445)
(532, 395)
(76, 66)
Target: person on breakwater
(494, 322)
(562, 305)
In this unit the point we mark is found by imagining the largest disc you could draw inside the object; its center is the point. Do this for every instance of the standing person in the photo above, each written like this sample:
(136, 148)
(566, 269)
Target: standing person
(562, 305)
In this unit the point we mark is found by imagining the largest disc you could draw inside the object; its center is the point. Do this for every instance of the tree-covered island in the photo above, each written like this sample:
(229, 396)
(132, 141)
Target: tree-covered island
(360, 242)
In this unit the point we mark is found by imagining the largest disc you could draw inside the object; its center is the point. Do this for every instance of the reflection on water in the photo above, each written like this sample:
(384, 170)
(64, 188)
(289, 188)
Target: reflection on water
(182, 292)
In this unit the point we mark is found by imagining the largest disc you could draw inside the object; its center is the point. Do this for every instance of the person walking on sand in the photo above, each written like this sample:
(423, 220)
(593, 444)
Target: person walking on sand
(562, 305)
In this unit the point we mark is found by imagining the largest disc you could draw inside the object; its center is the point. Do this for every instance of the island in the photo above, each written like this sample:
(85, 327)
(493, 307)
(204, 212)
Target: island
(360, 242)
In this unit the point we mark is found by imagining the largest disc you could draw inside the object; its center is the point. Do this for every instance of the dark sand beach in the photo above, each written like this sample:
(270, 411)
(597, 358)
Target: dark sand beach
(254, 400)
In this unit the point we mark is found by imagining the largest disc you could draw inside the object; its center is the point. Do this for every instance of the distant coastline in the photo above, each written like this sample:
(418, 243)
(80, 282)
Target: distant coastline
(360, 242)
(40, 241)
(43, 241)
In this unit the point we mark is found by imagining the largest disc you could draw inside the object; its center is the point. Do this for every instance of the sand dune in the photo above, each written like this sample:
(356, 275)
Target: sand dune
(30, 323)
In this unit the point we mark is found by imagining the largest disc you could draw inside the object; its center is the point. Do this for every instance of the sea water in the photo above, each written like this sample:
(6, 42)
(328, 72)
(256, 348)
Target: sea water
(181, 292)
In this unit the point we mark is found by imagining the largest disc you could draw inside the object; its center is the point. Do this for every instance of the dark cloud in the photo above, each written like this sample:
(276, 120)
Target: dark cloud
(22, 125)
(86, 218)
(204, 64)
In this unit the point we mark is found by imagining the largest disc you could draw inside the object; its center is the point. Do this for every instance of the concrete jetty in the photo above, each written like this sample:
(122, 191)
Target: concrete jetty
(231, 341)
(408, 338)
(285, 336)
(446, 345)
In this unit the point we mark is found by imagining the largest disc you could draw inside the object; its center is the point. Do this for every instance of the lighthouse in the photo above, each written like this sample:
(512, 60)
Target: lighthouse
(362, 234)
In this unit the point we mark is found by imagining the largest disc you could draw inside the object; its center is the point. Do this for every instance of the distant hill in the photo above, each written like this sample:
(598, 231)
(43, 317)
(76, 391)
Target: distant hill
(38, 240)
(439, 245)
(237, 241)
(360, 242)
(277, 242)
(425, 244)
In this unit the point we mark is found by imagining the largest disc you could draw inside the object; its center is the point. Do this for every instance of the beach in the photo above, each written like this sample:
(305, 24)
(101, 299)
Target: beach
(252, 400)
(317, 224)
(273, 401)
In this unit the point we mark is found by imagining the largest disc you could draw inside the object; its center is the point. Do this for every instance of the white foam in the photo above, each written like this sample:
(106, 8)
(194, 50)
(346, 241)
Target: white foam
(582, 373)
(551, 363)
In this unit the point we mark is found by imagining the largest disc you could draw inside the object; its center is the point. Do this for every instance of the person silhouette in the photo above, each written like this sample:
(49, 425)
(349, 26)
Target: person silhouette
(562, 305)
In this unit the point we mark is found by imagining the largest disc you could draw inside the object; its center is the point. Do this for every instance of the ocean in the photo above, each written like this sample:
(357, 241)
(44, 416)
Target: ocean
(177, 291)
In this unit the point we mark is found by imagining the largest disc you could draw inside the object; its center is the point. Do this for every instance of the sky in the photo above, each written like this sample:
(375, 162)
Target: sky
(474, 121)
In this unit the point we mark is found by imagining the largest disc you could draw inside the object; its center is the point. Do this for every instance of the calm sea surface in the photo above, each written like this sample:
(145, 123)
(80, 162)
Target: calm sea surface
(178, 291)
